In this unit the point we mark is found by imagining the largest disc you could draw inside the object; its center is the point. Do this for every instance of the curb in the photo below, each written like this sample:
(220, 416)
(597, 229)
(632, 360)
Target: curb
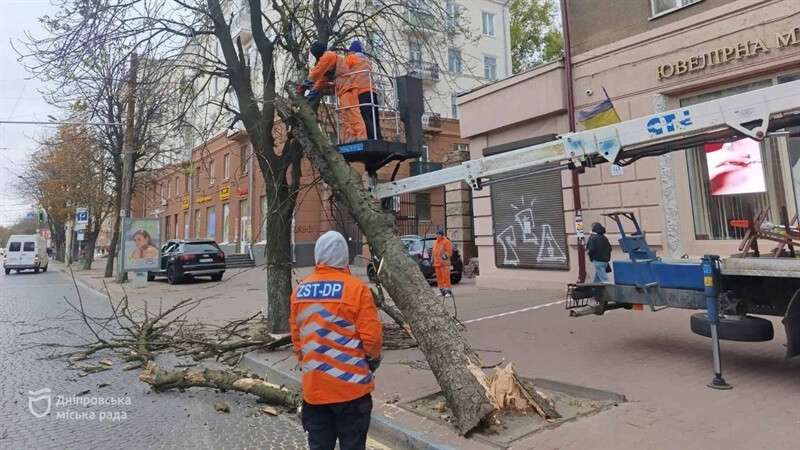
(79, 280)
(385, 429)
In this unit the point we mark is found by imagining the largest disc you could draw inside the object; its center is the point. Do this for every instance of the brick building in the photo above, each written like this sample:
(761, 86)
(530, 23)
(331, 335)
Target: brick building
(217, 195)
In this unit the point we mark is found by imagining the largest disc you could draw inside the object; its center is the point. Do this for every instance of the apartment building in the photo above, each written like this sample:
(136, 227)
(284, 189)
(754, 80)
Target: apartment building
(649, 56)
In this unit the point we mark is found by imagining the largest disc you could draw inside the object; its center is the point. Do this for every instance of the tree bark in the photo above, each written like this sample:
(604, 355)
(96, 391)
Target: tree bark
(453, 362)
(112, 247)
(280, 207)
(88, 249)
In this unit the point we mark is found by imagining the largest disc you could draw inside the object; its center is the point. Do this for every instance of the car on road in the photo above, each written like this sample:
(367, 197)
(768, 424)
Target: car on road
(420, 249)
(25, 252)
(181, 259)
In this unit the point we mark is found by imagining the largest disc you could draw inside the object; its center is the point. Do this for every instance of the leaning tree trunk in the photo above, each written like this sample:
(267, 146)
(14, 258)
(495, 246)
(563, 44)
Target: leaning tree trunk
(88, 249)
(453, 362)
(280, 206)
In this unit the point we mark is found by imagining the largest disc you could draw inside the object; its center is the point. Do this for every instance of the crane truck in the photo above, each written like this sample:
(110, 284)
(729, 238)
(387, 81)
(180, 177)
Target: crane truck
(731, 290)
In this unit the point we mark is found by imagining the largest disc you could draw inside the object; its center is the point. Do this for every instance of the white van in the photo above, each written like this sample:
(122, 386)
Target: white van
(25, 252)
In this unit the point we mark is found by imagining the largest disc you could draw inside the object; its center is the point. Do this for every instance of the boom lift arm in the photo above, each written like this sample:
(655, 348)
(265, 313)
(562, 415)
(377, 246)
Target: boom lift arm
(751, 114)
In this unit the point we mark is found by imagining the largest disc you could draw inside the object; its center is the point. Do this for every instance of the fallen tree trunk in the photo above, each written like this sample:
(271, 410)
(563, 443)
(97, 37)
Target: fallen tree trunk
(453, 362)
(163, 380)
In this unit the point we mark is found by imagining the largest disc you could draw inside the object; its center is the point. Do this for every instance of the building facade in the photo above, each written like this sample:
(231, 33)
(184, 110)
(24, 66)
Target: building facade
(217, 195)
(649, 56)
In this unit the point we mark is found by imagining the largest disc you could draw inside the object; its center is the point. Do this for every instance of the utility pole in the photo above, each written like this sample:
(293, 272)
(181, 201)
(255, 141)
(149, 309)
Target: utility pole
(128, 149)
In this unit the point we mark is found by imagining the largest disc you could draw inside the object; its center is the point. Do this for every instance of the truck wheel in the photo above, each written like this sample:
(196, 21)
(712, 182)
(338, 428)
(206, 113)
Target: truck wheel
(151, 276)
(216, 277)
(8, 271)
(743, 329)
(44, 269)
(35, 270)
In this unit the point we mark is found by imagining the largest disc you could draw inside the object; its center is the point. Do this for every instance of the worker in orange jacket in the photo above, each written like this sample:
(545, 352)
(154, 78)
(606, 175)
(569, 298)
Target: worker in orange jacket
(440, 257)
(331, 66)
(363, 81)
(337, 336)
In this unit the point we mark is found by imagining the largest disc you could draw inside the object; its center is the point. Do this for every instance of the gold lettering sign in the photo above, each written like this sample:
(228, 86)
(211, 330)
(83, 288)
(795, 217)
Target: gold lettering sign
(204, 199)
(225, 193)
(723, 55)
(185, 204)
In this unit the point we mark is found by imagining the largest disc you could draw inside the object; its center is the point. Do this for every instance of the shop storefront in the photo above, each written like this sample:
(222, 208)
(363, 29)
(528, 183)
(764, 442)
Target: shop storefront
(690, 202)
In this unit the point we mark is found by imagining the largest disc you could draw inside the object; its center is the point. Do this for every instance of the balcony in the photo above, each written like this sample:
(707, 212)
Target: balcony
(425, 70)
(419, 19)
(432, 121)
(421, 167)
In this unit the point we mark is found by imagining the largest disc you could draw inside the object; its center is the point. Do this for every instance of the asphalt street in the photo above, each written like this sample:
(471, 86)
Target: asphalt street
(118, 411)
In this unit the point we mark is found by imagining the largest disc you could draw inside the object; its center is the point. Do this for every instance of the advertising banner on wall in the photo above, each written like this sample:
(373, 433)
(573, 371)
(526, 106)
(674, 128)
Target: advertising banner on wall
(142, 241)
(735, 167)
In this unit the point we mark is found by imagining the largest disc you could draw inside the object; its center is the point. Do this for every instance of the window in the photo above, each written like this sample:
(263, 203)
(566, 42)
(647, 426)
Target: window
(211, 222)
(490, 67)
(425, 154)
(665, 6)
(177, 186)
(244, 159)
(226, 166)
(454, 60)
(185, 225)
(452, 10)
(454, 106)
(244, 221)
(226, 222)
(777, 158)
(169, 188)
(415, 53)
(186, 183)
(263, 236)
(196, 177)
(488, 23)
(211, 172)
(13, 247)
(423, 206)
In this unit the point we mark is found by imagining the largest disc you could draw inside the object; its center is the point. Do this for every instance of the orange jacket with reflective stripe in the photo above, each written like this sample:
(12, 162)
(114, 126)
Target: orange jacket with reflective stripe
(361, 69)
(335, 326)
(442, 250)
(327, 62)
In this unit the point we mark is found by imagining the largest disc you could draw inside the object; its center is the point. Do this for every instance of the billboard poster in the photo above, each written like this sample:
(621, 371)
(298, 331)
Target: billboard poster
(141, 244)
(735, 167)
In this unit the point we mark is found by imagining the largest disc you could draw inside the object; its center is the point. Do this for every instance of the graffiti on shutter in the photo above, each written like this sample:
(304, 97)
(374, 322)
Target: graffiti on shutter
(529, 226)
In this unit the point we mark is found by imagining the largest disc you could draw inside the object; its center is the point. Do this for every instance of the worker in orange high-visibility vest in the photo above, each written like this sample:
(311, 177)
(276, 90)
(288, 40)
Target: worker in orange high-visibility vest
(337, 336)
(364, 84)
(440, 257)
(333, 67)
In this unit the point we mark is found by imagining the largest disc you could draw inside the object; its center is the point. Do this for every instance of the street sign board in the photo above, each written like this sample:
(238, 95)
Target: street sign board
(79, 235)
(81, 218)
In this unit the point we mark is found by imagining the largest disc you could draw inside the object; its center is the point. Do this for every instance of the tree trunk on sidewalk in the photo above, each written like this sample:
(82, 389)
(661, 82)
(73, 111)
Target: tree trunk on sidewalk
(88, 249)
(279, 258)
(453, 362)
(112, 247)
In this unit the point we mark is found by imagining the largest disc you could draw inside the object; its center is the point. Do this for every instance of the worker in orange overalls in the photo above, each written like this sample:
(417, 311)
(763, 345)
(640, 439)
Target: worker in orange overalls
(361, 70)
(337, 336)
(440, 257)
(332, 66)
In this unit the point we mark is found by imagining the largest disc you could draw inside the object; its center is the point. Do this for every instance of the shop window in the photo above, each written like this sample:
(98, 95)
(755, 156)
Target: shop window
(226, 222)
(197, 226)
(667, 6)
(733, 194)
(211, 222)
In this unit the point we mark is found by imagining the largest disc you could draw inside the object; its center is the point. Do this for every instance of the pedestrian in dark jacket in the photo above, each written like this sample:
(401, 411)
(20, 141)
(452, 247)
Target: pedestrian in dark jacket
(599, 250)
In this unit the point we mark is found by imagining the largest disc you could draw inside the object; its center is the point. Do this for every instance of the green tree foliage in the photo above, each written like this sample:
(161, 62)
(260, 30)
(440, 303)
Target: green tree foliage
(535, 33)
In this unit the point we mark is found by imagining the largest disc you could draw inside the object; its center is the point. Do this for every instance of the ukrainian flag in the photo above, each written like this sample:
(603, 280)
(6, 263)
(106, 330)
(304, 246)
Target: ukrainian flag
(599, 115)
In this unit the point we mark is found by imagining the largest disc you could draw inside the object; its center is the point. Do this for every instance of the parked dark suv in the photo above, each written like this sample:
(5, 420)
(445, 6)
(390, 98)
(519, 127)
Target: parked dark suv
(419, 249)
(181, 259)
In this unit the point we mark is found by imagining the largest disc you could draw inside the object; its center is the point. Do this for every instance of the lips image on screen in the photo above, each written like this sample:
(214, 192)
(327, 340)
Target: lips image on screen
(735, 167)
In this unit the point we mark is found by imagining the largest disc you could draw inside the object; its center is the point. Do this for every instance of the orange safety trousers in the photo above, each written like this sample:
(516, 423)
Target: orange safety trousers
(350, 119)
(335, 327)
(443, 276)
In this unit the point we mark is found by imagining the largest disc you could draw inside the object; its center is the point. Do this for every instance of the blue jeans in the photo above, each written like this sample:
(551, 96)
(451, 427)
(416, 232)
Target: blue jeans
(600, 275)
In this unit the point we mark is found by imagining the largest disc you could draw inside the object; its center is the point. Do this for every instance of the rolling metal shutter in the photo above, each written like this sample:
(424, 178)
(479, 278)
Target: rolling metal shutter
(529, 229)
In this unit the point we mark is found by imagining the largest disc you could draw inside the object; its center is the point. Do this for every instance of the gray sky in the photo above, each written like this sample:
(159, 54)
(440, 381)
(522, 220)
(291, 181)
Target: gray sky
(19, 100)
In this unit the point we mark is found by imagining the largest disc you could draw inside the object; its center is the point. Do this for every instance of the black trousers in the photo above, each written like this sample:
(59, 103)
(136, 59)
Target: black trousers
(373, 127)
(348, 422)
